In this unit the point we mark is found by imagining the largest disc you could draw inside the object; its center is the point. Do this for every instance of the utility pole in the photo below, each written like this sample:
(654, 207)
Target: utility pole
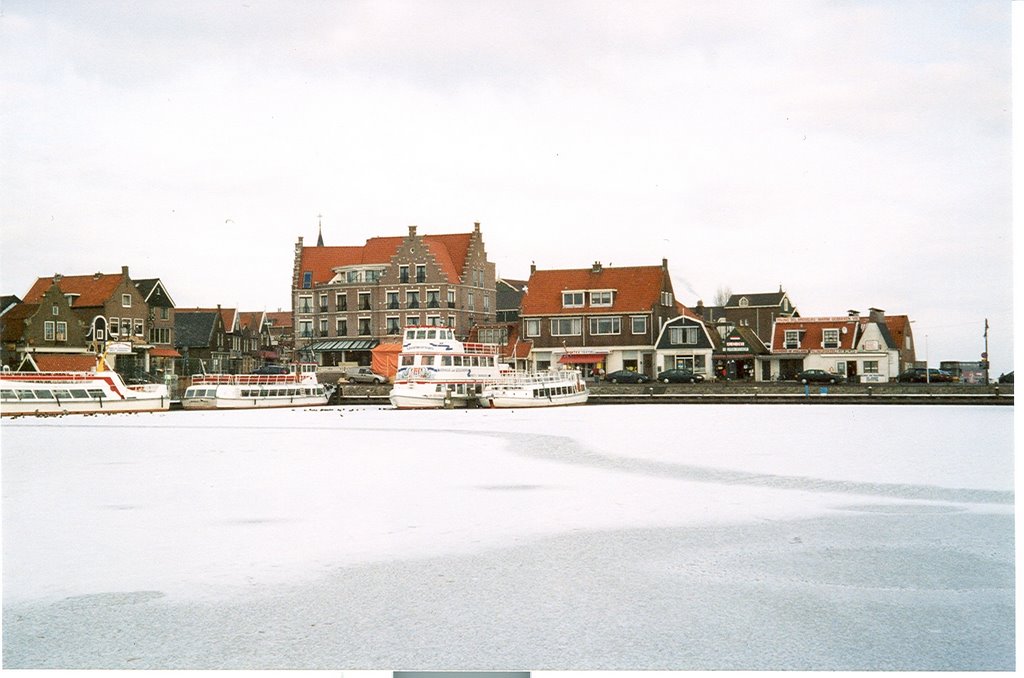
(984, 356)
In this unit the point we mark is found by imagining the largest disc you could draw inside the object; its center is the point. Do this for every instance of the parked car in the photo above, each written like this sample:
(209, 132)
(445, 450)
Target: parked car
(627, 377)
(819, 377)
(364, 375)
(680, 375)
(272, 369)
(920, 375)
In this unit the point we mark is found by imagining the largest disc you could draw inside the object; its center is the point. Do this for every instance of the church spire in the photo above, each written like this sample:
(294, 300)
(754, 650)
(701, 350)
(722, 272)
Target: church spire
(320, 230)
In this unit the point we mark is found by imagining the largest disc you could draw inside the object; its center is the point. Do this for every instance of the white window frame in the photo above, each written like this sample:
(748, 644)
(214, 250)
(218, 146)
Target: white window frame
(575, 327)
(666, 299)
(62, 331)
(573, 299)
(397, 320)
(49, 329)
(114, 327)
(870, 367)
(341, 327)
(531, 327)
(126, 301)
(602, 297)
(791, 339)
(830, 332)
(139, 327)
(412, 320)
(305, 303)
(602, 325)
(633, 319)
(341, 301)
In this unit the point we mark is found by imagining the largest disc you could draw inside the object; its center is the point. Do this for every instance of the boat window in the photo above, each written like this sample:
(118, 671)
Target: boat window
(96, 393)
(26, 395)
(476, 361)
(8, 395)
(407, 360)
(421, 334)
(263, 392)
(446, 360)
(61, 393)
(79, 393)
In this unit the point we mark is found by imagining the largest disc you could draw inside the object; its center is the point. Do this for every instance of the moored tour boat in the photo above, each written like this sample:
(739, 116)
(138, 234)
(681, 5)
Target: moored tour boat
(98, 391)
(436, 370)
(297, 388)
(537, 389)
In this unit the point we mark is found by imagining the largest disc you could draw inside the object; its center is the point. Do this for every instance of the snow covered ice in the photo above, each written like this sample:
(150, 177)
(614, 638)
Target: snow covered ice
(598, 537)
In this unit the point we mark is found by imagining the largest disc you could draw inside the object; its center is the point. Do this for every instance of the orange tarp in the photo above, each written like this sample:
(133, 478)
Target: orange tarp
(384, 359)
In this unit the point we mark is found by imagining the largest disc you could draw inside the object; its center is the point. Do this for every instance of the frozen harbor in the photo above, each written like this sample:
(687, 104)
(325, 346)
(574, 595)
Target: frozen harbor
(602, 537)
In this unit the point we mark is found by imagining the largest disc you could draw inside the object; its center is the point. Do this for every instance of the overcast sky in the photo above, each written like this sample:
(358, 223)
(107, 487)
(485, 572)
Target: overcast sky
(856, 153)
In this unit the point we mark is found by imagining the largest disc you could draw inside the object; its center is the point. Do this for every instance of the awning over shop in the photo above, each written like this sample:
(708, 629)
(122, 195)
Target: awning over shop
(582, 358)
(344, 345)
(163, 353)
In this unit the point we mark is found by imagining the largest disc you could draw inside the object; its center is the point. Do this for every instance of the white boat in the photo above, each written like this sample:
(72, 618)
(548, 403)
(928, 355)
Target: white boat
(77, 392)
(436, 370)
(297, 388)
(537, 389)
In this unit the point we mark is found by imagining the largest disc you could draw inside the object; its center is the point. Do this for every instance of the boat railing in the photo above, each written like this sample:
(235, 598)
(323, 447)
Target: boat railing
(512, 377)
(50, 376)
(474, 347)
(242, 379)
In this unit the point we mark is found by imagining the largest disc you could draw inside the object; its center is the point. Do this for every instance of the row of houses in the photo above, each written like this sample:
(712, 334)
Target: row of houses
(348, 302)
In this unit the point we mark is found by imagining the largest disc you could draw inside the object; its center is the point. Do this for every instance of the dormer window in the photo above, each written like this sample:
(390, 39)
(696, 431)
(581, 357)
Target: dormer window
(792, 339)
(744, 302)
(307, 280)
(602, 298)
(830, 338)
(572, 299)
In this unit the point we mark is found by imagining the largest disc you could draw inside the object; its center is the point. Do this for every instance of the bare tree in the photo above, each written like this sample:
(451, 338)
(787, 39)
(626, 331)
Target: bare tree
(722, 295)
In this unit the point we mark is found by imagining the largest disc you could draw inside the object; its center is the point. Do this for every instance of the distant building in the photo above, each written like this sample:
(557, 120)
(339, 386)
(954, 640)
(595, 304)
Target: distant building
(202, 339)
(757, 311)
(346, 299)
(163, 356)
(509, 298)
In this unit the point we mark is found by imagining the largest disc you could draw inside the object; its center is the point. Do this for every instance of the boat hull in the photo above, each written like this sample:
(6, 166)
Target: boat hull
(250, 403)
(509, 400)
(73, 394)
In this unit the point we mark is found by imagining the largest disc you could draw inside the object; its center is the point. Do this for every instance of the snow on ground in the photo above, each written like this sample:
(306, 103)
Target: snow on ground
(211, 507)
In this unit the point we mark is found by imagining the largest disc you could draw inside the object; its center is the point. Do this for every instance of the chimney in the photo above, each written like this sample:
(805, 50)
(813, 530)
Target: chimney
(57, 277)
(853, 314)
(533, 267)
(124, 271)
(412, 231)
(877, 315)
(664, 264)
(596, 268)
(700, 306)
(476, 226)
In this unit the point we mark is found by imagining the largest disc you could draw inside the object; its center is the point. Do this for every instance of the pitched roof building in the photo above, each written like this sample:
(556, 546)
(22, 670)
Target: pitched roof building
(345, 299)
(603, 317)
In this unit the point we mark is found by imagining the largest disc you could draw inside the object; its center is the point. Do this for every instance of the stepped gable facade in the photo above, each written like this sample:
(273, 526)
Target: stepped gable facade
(346, 299)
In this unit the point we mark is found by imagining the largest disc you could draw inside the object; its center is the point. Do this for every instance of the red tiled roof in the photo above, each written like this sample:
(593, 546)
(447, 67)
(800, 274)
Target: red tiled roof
(449, 250)
(812, 332)
(250, 319)
(64, 362)
(13, 322)
(92, 290)
(160, 352)
(280, 318)
(637, 288)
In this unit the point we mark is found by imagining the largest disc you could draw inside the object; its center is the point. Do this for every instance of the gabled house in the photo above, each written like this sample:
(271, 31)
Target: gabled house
(598, 318)
(685, 342)
(163, 355)
(860, 348)
(282, 336)
(47, 326)
(110, 307)
(738, 350)
(755, 310)
(903, 339)
(345, 300)
(202, 340)
(256, 339)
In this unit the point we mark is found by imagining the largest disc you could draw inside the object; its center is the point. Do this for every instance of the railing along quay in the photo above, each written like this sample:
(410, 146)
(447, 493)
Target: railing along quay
(761, 393)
